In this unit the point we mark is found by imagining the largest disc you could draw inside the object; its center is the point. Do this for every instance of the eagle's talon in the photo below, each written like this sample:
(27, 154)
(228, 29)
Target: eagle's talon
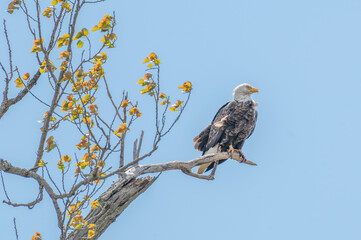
(232, 150)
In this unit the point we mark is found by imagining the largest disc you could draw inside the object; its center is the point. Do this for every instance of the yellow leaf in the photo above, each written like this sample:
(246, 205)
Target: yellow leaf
(11, 7)
(66, 158)
(37, 41)
(79, 73)
(149, 88)
(162, 95)
(150, 65)
(61, 165)
(78, 226)
(141, 81)
(91, 233)
(92, 225)
(48, 12)
(156, 61)
(100, 164)
(124, 104)
(152, 56)
(54, 2)
(85, 31)
(19, 83)
(147, 76)
(95, 148)
(26, 76)
(146, 60)
(66, 6)
(64, 54)
(41, 163)
(51, 144)
(95, 28)
(112, 36)
(103, 56)
(36, 236)
(79, 44)
(178, 104)
(70, 97)
(78, 35)
(63, 40)
(164, 102)
(93, 109)
(121, 130)
(86, 98)
(134, 110)
(35, 48)
(173, 109)
(88, 121)
(94, 205)
(187, 86)
(67, 75)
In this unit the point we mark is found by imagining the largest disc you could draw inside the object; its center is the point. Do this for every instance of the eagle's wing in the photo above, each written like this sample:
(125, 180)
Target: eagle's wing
(218, 125)
(201, 141)
(254, 124)
(210, 136)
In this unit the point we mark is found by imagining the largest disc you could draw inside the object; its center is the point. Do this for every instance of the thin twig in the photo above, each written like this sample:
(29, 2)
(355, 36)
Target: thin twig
(3, 183)
(16, 230)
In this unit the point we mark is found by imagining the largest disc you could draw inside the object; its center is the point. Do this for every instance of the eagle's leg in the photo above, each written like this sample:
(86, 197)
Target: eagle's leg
(232, 150)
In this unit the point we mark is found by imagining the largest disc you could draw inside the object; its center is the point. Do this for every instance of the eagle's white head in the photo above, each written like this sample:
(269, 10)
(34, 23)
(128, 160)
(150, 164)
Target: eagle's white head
(243, 92)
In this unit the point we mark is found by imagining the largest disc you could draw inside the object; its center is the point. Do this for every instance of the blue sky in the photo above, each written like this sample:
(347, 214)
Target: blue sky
(303, 56)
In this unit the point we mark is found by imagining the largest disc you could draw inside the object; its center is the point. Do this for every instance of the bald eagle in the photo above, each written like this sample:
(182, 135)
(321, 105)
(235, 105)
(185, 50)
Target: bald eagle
(231, 126)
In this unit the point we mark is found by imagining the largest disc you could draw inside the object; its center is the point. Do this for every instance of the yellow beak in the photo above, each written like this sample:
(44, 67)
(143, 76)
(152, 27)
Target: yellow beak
(253, 90)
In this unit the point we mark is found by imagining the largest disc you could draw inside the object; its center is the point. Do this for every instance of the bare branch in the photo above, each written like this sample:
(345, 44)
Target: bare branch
(140, 144)
(30, 205)
(10, 65)
(135, 149)
(111, 100)
(16, 230)
(7, 167)
(161, 167)
(3, 183)
(209, 177)
(6, 104)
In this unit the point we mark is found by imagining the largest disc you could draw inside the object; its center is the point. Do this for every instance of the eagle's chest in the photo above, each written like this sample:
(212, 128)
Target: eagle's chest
(244, 121)
(244, 113)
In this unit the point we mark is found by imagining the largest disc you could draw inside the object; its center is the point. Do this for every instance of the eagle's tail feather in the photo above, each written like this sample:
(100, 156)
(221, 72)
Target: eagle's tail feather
(211, 165)
(202, 139)
(203, 167)
(207, 166)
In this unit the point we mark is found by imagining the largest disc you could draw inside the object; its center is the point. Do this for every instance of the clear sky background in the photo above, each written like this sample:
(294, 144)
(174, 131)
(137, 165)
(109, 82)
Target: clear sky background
(305, 59)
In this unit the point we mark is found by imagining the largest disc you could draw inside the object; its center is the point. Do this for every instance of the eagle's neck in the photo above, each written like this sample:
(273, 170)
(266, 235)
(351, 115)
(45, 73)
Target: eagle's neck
(243, 98)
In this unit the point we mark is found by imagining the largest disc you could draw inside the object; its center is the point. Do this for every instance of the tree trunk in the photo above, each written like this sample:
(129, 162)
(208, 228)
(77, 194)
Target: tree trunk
(112, 203)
